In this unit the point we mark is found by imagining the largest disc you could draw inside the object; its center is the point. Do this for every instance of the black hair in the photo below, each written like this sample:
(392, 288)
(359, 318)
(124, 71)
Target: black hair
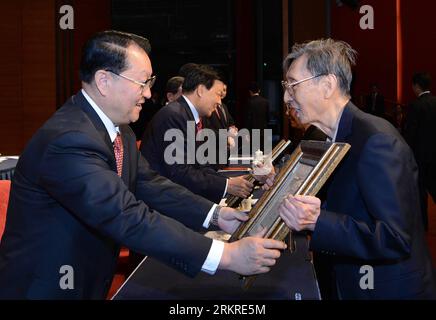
(174, 84)
(423, 80)
(200, 74)
(107, 51)
(186, 68)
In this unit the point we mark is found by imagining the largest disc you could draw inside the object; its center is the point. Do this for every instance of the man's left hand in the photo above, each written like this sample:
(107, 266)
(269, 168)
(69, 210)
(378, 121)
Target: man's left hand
(229, 219)
(300, 212)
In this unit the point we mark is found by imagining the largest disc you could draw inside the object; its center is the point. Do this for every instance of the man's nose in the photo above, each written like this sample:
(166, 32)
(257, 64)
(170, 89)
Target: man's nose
(146, 92)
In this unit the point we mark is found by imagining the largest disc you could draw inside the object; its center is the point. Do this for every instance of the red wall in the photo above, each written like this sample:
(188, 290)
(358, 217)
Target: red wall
(27, 63)
(377, 60)
(419, 41)
(245, 54)
(34, 72)
(376, 48)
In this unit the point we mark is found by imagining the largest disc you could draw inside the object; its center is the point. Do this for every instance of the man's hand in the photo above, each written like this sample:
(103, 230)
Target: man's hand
(267, 180)
(300, 212)
(251, 255)
(229, 219)
(239, 186)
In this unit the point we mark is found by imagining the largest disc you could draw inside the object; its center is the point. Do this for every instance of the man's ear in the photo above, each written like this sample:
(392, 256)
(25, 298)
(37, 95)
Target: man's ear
(103, 81)
(330, 84)
(200, 90)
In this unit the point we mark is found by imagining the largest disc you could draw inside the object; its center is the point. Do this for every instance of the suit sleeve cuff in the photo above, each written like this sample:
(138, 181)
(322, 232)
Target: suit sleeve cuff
(225, 189)
(213, 258)
(206, 222)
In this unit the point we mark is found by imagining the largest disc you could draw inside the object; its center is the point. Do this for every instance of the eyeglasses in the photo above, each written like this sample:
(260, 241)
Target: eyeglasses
(290, 86)
(147, 83)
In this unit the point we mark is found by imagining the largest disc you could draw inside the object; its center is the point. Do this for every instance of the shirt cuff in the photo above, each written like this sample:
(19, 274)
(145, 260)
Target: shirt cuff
(214, 257)
(206, 222)
(225, 190)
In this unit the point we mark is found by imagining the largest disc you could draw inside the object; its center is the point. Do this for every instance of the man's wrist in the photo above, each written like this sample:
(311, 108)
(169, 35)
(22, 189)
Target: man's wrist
(215, 216)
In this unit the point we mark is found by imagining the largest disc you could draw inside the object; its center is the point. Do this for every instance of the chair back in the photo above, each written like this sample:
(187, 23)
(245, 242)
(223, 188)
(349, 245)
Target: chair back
(5, 187)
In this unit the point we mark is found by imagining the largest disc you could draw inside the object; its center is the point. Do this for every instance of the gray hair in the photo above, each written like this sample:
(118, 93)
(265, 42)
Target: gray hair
(326, 56)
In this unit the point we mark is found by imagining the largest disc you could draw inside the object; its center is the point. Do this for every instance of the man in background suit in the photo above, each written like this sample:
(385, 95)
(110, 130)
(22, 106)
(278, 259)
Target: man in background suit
(420, 133)
(369, 224)
(257, 112)
(202, 91)
(375, 102)
(257, 109)
(173, 89)
(221, 119)
(81, 190)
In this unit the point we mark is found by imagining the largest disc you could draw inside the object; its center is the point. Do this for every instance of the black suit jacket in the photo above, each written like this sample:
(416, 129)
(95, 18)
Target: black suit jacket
(257, 113)
(201, 179)
(68, 207)
(376, 107)
(223, 121)
(220, 119)
(372, 215)
(420, 129)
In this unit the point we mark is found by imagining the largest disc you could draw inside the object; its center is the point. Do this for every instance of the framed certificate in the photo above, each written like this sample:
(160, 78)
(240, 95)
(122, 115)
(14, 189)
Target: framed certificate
(308, 168)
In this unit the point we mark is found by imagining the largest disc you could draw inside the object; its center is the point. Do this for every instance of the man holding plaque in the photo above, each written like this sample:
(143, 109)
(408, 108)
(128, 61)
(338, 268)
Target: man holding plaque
(368, 231)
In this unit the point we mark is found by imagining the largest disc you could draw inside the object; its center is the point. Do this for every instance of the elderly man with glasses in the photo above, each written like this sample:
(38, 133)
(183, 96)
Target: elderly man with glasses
(368, 234)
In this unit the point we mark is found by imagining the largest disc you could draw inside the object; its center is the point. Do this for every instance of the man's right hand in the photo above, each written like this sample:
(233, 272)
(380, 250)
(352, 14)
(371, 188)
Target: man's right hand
(251, 255)
(239, 186)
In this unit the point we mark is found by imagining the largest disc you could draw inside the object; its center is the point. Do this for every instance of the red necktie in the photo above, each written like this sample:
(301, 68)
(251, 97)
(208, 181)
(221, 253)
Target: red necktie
(119, 150)
(199, 126)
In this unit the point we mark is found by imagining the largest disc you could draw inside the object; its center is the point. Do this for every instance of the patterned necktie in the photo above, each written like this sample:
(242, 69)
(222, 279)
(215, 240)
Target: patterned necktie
(119, 150)
(199, 126)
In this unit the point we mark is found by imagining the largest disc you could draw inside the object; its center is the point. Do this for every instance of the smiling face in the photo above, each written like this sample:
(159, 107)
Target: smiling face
(305, 97)
(125, 97)
(209, 99)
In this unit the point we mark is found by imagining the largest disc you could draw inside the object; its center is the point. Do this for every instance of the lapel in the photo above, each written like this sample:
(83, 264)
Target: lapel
(81, 101)
(346, 122)
(184, 104)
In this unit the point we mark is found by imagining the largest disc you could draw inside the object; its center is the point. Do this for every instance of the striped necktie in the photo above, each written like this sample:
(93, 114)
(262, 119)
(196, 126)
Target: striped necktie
(119, 150)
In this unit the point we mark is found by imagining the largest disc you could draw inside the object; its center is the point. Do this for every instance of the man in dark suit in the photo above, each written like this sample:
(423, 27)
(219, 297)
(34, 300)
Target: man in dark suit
(79, 189)
(257, 112)
(202, 91)
(420, 133)
(369, 225)
(173, 89)
(375, 102)
(221, 119)
(257, 109)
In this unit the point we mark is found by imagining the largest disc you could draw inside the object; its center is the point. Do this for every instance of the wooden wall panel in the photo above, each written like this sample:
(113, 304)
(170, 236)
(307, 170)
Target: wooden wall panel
(39, 66)
(10, 79)
(28, 62)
